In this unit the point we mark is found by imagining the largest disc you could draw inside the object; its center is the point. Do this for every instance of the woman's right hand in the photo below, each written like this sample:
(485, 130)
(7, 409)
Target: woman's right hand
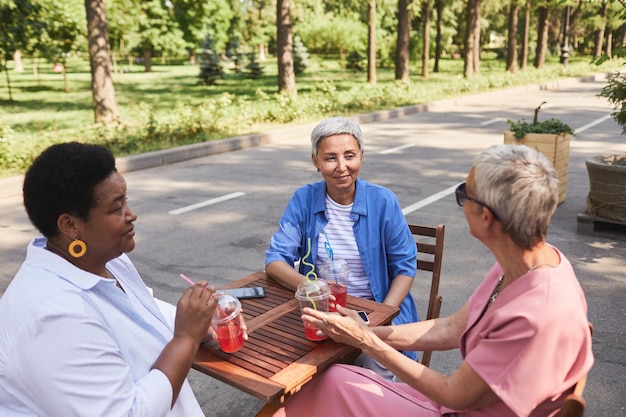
(194, 311)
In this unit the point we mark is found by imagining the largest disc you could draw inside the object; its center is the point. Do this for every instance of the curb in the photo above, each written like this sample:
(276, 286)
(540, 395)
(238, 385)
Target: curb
(12, 186)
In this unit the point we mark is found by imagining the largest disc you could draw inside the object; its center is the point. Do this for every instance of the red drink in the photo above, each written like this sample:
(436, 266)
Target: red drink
(310, 332)
(340, 292)
(230, 338)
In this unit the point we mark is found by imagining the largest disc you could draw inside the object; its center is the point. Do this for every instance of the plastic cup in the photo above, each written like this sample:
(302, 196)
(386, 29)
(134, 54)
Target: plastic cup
(226, 322)
(313, 294)
(336, 273)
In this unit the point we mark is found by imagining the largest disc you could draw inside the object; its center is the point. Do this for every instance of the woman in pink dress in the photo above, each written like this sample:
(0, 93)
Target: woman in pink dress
(523, 334)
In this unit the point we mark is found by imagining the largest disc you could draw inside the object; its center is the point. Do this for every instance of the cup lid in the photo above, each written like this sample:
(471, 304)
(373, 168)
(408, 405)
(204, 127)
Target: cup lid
(227, 308)
(315, 289)
(334, 267)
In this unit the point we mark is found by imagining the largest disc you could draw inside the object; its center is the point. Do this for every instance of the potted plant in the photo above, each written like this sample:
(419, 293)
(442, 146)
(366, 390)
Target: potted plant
(550, 137)
(607, 173)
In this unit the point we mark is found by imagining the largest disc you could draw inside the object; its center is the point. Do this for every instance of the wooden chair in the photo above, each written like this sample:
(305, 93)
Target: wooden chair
(574, 405)
(429, 241)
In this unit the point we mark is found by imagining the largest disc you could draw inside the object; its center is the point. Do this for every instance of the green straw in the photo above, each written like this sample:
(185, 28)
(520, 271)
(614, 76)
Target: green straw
(310, 273)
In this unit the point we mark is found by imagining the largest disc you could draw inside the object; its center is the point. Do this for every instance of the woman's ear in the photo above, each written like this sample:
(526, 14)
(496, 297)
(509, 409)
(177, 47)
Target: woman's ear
(67, 225)
(315, 164)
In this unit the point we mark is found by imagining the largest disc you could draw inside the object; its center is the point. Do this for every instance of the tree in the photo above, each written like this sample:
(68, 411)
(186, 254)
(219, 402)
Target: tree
(511, 54)
(472, 39)
(210, 67)
(64, 32)
(599, 33)
(525, 35)
(371, 43)
(193, 18)
(284, 49)
(402, 45)
(426, 37)
(158, 31)
(103, 91)
(439, 9)
(301, 56)
(542, 37)
(18, 25)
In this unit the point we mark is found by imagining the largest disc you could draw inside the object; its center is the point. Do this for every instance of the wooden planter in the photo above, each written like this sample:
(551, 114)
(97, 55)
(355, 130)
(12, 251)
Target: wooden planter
(607, 190)
(554, 147)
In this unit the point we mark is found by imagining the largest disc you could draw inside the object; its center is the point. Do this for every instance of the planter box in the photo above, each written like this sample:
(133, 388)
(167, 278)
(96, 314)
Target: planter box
(554, 147)
(607, 190)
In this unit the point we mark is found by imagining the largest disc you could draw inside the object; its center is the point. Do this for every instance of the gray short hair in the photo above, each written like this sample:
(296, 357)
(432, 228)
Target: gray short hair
(521, 186)
(335, 126)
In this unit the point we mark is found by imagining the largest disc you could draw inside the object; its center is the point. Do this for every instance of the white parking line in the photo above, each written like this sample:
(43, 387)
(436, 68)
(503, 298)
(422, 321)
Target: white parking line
(492, 121)
(206, 203)
(392, 150)
(427, 201)
(592, 124)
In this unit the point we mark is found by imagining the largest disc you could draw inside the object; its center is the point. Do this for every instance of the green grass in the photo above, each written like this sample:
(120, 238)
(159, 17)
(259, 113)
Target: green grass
(167, 107)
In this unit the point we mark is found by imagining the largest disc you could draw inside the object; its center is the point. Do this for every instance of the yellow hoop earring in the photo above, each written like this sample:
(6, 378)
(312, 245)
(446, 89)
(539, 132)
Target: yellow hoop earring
(77, 248)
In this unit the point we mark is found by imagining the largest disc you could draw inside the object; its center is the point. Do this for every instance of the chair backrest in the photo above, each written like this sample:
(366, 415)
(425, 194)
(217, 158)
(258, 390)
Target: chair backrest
(574, 405)
(429, 241)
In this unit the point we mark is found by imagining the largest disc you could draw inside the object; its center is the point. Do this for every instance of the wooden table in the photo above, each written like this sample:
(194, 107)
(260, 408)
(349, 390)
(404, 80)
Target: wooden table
(277, 359)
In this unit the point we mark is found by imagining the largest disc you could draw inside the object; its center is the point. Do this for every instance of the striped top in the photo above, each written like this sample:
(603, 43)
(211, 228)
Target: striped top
(338, 237)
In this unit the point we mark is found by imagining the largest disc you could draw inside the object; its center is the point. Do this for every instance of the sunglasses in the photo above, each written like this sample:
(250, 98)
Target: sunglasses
(461, 196)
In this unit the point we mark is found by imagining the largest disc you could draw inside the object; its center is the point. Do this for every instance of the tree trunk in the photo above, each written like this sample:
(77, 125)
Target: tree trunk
(426, 55)
(103, 91)
(476, 54)
(439, 8)
(402, 47)
(511, 53)
(470, 37)
(609, 43)
(599, 34)
(18, 65)
(6, 70)
(525, 35)
(542, 37)
(147, 59)
(371, 43)
(284, 49)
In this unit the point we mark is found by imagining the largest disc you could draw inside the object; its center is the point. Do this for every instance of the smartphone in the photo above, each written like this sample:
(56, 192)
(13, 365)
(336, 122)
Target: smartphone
(363, 316)
(246, 292)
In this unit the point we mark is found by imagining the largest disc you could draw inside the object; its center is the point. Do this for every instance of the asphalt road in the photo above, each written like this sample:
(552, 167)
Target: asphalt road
(212, 216)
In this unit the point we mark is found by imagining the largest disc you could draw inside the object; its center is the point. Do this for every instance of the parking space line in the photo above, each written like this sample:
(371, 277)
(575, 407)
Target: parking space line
(492, 121)
(592, 124)
(206, 203)
(398, 148)
(429, 200)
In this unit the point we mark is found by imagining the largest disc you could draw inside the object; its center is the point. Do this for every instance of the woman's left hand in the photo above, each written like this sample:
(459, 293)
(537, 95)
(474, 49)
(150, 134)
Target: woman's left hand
(345, 326)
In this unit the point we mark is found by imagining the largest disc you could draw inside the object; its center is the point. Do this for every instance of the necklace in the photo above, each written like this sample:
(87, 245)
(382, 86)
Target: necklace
(494, 294)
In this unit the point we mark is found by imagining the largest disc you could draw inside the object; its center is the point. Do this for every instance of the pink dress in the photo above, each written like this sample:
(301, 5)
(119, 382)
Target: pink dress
(531, 345)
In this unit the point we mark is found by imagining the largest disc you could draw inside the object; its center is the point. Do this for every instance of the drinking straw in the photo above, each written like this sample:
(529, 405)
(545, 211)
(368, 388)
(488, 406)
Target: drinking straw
(330, 253)
(186, 278)
(311, 272)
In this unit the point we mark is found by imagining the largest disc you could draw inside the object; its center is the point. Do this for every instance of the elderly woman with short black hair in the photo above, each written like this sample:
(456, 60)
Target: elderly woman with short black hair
(523, 334)
(80, 333)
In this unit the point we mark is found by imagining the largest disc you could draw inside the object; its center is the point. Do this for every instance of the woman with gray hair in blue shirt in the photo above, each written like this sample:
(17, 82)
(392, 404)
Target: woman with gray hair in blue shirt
(361, 222)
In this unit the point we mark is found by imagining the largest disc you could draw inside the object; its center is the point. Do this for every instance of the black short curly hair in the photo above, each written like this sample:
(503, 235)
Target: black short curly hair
(61, 180)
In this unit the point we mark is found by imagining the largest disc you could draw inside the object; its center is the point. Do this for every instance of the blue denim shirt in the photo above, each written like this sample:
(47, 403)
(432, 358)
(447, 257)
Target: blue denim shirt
(385, 243)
